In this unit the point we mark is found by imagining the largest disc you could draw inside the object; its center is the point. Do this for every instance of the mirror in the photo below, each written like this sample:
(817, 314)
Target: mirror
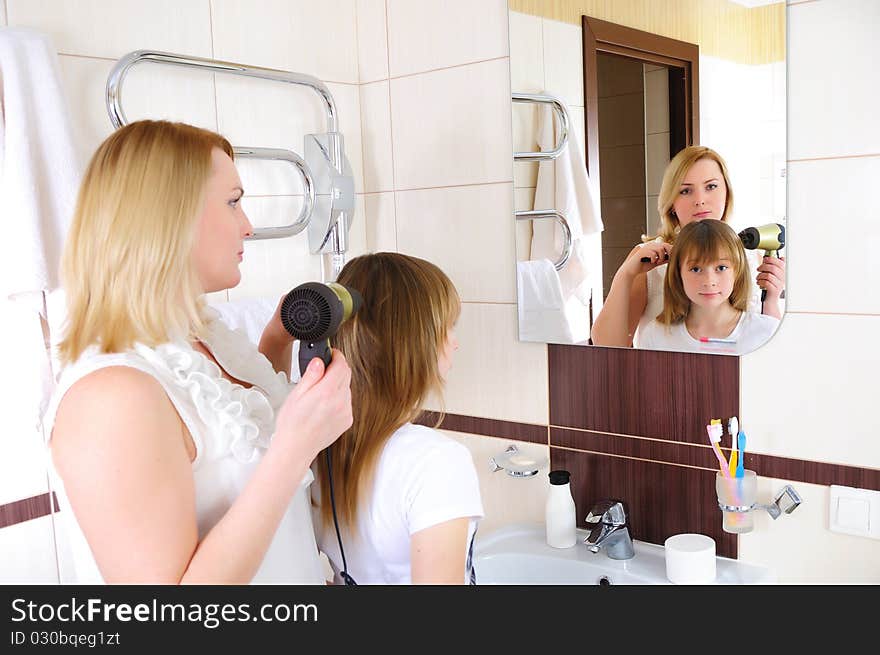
(637, 86)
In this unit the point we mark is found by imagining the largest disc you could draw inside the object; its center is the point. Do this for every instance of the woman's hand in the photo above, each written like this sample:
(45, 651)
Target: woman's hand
(771, 277)
(318, 409)
(646, 257)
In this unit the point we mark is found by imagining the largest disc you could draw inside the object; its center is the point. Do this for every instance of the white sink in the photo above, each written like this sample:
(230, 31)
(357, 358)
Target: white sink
(519, 555)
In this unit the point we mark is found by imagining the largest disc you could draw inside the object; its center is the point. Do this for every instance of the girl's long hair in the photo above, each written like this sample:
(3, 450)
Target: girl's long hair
(127, 267)
(700, 243)
(392, 345)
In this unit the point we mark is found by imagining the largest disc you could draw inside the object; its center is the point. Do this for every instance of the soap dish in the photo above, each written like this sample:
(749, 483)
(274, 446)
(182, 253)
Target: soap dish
(516, 463)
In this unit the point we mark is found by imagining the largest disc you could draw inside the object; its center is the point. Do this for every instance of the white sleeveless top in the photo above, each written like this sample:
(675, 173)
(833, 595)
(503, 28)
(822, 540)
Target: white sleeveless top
(231, 427)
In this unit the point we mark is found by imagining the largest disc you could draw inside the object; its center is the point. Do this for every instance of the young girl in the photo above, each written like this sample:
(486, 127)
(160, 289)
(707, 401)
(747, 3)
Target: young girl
(407, 497)
(696, 187)
(706, 293)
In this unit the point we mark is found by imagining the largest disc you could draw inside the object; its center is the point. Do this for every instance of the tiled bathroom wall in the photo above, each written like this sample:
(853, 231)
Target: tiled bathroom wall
(423, 89)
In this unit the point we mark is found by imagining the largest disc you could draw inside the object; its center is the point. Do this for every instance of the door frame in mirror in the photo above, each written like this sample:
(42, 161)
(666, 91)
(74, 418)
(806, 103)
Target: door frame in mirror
(681, 58)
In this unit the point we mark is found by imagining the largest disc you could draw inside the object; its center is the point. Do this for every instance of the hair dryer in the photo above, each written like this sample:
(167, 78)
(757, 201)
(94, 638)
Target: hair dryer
(770, 238)
(313, 312)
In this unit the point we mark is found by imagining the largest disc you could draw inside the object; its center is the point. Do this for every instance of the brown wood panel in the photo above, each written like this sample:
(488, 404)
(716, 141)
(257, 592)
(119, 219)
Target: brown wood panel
(487, 427)
(646, 393)
(26, 509)
(661, 500)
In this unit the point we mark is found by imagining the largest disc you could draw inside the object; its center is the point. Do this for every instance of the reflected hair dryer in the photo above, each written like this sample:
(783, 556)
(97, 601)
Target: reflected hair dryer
(313, 312)
(770, 238)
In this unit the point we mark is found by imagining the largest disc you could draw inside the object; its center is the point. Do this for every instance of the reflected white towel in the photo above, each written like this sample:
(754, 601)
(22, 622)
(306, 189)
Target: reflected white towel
(544, 315)
(40, 172)
(563, 185)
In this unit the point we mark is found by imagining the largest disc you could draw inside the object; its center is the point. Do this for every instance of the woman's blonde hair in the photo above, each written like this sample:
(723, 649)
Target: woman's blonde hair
(392, 345)
(127, 268)
(669, 188)
(701, 243)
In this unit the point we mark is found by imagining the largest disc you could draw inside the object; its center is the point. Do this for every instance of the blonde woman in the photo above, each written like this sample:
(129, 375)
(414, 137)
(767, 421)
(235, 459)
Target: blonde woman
(179, 451)
(406, 496)
(695, 187)
(706, 296)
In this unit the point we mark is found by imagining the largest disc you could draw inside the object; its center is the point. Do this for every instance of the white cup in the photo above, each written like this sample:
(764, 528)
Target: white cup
(690, 559)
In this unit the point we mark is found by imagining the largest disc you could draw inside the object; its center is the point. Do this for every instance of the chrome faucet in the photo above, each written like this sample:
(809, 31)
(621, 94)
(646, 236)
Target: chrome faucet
(611, 530)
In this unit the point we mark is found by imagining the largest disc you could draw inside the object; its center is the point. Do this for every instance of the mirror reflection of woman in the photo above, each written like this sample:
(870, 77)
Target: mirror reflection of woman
(696, 186)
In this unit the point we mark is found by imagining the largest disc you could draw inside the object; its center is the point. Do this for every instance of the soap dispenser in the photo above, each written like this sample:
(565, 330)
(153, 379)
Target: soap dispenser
(559, 513)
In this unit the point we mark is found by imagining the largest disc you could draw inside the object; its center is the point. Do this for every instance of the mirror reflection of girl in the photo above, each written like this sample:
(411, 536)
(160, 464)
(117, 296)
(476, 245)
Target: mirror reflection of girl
(407, 496)
(696, 186)
(706, 293)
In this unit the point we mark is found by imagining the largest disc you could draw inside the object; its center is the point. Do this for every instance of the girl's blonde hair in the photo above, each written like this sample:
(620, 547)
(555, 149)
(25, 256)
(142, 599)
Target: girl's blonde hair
(675, 172)
(127, 266)
(392, 345)
(701, 243)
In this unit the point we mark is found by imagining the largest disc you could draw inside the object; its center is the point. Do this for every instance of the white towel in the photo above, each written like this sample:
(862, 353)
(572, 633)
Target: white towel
(544, 314)
(252, 315)
(563, 185)
(40, 171)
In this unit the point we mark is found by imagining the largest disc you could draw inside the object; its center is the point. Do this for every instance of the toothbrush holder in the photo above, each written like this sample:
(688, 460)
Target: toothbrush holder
(737, 497)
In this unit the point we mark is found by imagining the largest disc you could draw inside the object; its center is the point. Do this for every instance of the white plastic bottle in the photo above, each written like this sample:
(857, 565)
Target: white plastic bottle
(559, 513)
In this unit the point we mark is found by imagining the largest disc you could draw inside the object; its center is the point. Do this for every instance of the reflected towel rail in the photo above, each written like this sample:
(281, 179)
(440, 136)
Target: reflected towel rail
(560, 263)
(335, 208)
(564, 125)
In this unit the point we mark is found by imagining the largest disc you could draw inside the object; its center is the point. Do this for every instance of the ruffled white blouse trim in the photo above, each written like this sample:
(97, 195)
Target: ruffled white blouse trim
(238, 420)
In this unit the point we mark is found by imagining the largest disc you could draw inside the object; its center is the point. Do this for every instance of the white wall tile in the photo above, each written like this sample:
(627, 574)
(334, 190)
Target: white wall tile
(372, 41)
(424, 34)
(99, 28)
(3, 14)
(262, 113)
(833, 104)
(471, 237)
(311, 38)
(523, 200)
(801, 549)
(507, 499)
(525, 139)
(28, 553)
(564, 61)
(450, 127)
(156, 92)
(810, 392)
(526, 53)
(381, 230)
(830, 212)
(376, 134)
(493, 374)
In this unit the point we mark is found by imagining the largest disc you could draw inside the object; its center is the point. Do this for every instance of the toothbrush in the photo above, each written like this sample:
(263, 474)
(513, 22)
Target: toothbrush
(714, 430)
(740, 470)
(732, 430)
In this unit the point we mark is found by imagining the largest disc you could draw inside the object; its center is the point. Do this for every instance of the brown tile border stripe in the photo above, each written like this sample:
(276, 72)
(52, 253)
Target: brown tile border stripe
(672, 452)
(487, 427)
(26, 509)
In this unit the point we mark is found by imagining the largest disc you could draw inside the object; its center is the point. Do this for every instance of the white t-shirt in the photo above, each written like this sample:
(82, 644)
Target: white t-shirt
(751, 332)
(654, 302)
(422, 478)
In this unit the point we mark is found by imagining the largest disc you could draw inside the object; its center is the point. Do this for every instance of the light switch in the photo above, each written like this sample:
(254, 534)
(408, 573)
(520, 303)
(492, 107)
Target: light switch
(855, 511)
(854, 514)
